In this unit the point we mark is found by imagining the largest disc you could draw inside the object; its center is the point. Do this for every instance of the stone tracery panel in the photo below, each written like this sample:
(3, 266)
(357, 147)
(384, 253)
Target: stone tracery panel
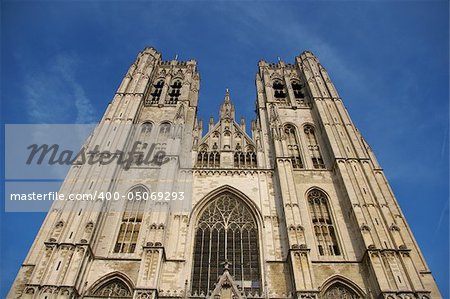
(226, 233)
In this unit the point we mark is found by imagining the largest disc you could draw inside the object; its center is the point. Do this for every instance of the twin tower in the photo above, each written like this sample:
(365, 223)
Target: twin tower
(297, 208)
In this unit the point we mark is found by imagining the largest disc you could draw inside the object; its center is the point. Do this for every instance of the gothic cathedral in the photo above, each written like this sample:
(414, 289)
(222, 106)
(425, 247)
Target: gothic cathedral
(297, 208)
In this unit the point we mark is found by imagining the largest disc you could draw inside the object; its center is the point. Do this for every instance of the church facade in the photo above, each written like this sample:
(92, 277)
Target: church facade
(297, 208)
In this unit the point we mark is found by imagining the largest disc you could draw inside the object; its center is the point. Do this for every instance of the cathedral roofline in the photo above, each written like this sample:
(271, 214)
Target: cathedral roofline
(155, 53)
(304, 54)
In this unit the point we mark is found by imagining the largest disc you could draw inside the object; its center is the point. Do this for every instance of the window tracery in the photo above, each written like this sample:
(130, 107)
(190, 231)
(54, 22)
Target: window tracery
(208, 159)
(164, 132)
(293, 146)
(114, 288)
(313, 147)
(146, 128)
(339, 291)
(323, 225)
(143, 134)
(226, 232)
(244, 159)
(131, 222)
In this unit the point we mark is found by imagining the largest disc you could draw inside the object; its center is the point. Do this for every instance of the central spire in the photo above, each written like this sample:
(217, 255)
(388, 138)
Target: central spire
(227, 108)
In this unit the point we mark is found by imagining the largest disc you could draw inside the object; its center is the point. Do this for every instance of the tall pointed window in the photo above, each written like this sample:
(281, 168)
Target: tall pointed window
(226, 232)
(245, 159)
(313, 147)
(143, 137)
(293, 146)
(174, 93)
(155, 94)
(164, 132)
(323, 224)
(146, 129)
(202, 157)
(131, 221)
(207, 159)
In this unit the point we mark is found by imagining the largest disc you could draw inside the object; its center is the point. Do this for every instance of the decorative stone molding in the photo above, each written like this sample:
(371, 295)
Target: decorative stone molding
(145, 294)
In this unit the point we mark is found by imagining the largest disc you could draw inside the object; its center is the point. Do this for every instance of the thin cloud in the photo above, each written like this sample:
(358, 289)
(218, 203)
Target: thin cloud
(53, 94)
(444, 213)
(253, 20)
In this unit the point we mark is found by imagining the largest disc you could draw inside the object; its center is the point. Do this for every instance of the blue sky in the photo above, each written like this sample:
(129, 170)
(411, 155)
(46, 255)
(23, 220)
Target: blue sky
(61, 62)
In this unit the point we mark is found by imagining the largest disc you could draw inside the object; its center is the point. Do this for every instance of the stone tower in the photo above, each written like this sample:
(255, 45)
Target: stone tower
(298, 208)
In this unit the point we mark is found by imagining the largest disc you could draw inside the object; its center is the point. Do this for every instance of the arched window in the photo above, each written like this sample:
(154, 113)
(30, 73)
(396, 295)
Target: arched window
(239, 159)
(131, 221)
(202, 158)
(245, 160)
(297, 88)
(174, 93)
(155, 95)
(214, 159)
(226, 232)
(339, 291)
(250, 159)
(143, 137)
(208, 159)
(114, 288)
(164, 131)
(146, 128)
(279, 91)
(293, 146)
(313, 147)
(323, 224)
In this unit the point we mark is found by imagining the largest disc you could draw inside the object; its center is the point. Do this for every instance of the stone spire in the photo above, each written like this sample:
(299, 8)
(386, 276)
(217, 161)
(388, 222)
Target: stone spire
(227, 108)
